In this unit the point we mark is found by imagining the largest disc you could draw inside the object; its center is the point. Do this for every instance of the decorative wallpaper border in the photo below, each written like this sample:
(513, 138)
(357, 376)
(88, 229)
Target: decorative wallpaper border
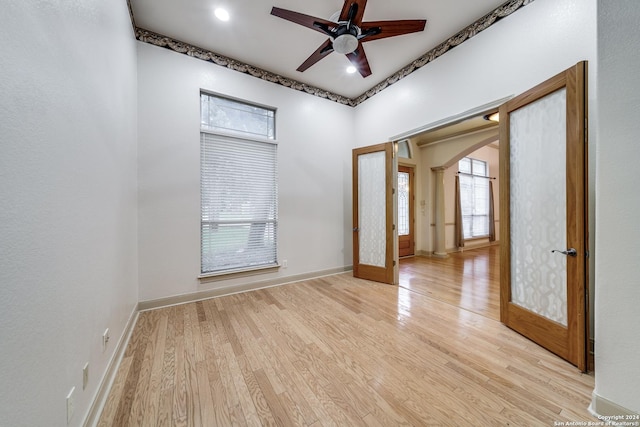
(480, 25)
(196, 52)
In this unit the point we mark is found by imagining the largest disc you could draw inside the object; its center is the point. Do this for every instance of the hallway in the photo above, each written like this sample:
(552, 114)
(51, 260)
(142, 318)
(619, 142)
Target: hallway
(469, 280)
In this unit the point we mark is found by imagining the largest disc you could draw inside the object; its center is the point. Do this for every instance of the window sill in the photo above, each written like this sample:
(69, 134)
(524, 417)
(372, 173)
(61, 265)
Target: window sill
(240, 272)
(471, 239)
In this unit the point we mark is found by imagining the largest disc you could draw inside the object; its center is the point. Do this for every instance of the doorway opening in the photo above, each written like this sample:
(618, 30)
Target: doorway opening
(544, 166)
(469, 280)
(467, 274)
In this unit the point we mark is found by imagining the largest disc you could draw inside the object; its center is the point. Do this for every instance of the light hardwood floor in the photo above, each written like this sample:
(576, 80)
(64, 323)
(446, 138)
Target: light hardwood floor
(469, 279)
(338, 351)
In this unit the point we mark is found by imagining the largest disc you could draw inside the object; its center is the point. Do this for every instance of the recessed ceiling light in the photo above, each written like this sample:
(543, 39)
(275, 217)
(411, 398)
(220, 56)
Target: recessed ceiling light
(351, 69)
(222, 14)
(495, 117)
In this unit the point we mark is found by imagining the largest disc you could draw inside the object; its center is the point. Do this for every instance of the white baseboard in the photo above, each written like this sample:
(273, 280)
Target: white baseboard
(455, 250)
(608, 411)
(99, 400)
(237, 288)
(471, 245)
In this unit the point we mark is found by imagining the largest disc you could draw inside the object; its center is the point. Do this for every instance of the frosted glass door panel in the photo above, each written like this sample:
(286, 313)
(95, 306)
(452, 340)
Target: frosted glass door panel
(539, 206)
(403, 204)
(372, 208)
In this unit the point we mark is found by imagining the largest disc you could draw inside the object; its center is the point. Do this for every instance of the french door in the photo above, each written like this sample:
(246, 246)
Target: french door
(375, 246)
(543, 274)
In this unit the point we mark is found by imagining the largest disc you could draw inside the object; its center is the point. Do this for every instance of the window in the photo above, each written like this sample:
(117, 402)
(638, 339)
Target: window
(239, 189)
(228, 116)
(404, 149)
(474, 197)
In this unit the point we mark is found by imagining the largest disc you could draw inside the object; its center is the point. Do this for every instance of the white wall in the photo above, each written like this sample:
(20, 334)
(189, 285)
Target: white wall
(68, 221)
(618, 283)
(315, 138)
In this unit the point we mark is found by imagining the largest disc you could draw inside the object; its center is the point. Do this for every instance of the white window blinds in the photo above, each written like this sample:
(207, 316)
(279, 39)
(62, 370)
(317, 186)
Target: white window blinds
(239, 203)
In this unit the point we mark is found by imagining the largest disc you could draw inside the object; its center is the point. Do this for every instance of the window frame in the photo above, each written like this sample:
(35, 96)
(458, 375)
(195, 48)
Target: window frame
(230, 137)
(475, 176)
(238, 134)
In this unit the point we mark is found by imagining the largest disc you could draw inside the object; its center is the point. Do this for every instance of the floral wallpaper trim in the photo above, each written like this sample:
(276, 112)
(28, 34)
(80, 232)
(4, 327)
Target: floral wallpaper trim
(196, 52)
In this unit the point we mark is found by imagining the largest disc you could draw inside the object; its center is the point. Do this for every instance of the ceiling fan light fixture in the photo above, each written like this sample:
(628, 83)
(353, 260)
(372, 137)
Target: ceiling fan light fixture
(345, 43)
(347, 32)
(351, 69)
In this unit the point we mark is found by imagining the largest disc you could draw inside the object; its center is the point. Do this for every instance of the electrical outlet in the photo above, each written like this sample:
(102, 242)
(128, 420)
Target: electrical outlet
(85, 375)
(285, 263)
(70, 405)
(105, 339)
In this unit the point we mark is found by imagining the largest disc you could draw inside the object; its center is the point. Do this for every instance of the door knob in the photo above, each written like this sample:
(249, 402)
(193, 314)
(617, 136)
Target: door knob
(569, 252)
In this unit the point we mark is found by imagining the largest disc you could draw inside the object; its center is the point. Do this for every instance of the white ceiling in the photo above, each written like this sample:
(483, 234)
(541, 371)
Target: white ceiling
(255, 37)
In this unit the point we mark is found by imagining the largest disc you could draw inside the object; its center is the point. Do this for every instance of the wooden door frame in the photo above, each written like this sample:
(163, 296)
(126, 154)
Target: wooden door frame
(389, 273)
(570, 343)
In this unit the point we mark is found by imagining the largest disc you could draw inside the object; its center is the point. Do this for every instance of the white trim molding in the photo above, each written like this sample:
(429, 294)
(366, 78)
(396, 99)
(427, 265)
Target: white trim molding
(611, 413)
(235, 289)
(95, 410)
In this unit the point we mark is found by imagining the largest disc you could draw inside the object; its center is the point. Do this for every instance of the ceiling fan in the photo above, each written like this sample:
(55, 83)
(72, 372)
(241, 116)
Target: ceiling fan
(349, 32)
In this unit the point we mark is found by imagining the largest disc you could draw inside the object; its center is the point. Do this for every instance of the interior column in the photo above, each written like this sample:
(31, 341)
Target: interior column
(440, 247)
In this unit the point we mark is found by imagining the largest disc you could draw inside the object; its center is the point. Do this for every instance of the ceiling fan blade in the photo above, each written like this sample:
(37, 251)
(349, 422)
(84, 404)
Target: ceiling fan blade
(356, 19)
(308, 21)
(359, 60)
(390, 28)
(325, 49)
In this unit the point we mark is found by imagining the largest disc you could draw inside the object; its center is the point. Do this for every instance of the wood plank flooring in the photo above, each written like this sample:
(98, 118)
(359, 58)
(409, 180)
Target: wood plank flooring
(337, 351)
(469, 279)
